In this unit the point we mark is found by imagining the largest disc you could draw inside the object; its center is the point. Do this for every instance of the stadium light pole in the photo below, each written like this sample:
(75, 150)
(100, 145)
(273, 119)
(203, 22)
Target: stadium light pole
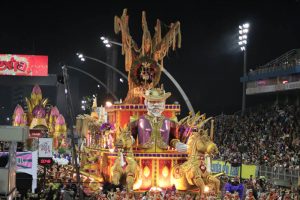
(243, 36)
(83, 57)
(108, 43)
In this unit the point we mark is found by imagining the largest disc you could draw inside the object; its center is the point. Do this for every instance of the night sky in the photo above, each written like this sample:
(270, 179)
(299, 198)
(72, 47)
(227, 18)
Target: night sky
(208, 66)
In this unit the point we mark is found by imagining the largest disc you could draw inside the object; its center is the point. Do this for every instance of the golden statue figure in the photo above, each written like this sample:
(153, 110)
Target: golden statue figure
(125, 164)
(194, 172)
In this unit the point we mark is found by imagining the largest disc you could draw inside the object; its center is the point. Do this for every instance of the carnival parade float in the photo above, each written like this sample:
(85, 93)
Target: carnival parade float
(140, 143)
(44, 120)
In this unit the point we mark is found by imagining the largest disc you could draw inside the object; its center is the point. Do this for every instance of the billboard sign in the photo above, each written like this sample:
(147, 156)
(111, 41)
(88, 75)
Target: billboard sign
(23, 65)
(36, 133)
(45, 161)
(221, 166)
(45, 147)
(23, 159)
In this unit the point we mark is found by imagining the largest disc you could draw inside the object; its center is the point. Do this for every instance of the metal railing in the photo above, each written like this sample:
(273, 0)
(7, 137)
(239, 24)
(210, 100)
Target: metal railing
(280, 175)
(287, 60)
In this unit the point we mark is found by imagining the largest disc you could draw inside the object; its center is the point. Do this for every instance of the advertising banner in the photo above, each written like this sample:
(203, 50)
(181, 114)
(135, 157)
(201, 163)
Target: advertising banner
(45, 147)
(219, 166)
(36, 133)
(23, 159)
(23, 65)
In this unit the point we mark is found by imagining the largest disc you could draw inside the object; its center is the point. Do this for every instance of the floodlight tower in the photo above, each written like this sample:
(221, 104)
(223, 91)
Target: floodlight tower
(243, 36)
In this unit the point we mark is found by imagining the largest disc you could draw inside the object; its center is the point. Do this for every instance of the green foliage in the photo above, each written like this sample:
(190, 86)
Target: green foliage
(61, 150)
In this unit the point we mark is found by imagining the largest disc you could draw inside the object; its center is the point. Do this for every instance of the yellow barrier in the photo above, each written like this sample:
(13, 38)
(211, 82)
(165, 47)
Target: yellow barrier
(219, 166)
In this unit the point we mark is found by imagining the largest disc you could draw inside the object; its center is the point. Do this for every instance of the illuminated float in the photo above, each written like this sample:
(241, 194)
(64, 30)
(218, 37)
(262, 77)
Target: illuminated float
(141, 144)
(42, 119)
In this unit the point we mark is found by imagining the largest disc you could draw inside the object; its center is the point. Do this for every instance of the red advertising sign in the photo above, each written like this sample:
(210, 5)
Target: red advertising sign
(36, 133)
(23, 65)
(45, 161)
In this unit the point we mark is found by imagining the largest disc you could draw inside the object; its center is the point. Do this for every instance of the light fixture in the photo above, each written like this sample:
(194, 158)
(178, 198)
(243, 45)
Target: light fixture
(98, 86)
(245, 30)
(108, 104)
(80, 56)
(108, 45)
(121, 80)
(105, 41)
(82, 59)
(246, 25)
(102, 38)
(111, 150)
(206, 189)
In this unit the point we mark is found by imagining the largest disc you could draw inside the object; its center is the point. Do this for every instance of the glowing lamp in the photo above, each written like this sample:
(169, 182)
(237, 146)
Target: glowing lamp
(165, 172)
(206, 189)
(146, 171)
(108, 104)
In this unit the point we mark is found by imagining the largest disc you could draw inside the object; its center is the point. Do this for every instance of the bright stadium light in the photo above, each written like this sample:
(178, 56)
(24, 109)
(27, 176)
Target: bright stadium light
(243, 31)
(246, 25)
(108, 45)
(243, 37)
(105, 41)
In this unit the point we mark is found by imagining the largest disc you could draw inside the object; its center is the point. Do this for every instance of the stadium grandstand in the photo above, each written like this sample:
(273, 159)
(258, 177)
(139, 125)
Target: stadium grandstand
(281, 74)
(267, 135)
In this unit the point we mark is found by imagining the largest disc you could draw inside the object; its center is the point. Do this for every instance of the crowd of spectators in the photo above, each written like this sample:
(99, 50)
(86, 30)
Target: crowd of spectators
(266, 135)
(118, 193)
(256, 189)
